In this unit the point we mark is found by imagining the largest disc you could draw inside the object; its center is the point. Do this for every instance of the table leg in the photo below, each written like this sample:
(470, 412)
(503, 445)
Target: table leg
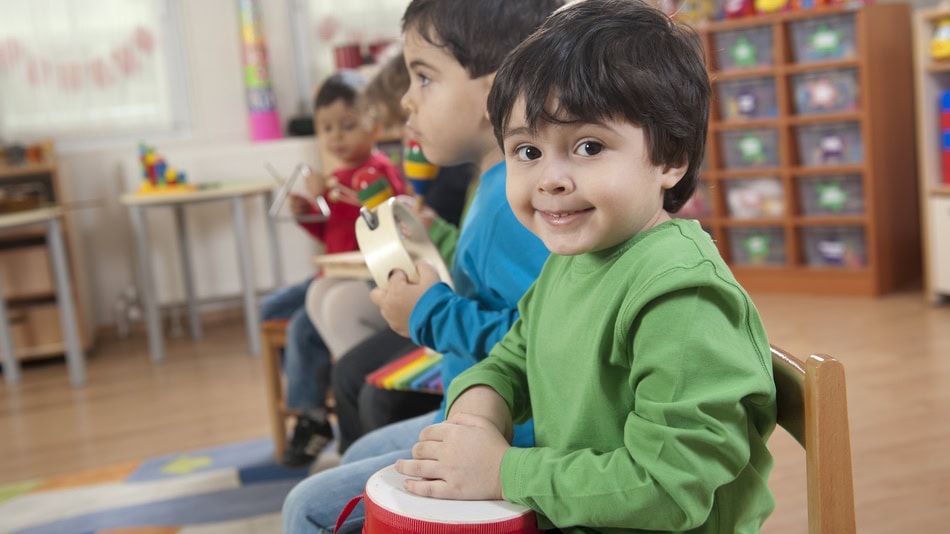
(11, 367)
(184, 248)
(276, 259)
(75, 359)
(153, 323)
(246, 269)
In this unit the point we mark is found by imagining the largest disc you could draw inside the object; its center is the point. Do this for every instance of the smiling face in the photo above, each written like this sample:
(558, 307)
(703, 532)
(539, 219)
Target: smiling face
(447, 113)
(583, 186)
(344, 133)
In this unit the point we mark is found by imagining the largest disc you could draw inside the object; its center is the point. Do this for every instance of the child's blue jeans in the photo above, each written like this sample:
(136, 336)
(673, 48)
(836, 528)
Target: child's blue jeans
(306, 357)
(314, 505)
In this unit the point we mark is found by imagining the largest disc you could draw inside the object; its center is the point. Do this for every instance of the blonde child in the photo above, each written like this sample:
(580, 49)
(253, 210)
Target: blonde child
(347, 320)
(350, 137)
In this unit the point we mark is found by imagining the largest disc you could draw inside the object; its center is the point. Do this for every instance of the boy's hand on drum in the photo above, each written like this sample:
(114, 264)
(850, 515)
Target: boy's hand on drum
(459, 459)
(397, 301)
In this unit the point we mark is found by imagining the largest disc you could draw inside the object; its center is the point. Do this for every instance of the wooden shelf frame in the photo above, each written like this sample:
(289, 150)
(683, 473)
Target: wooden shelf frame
(883, 66)
(18, 303)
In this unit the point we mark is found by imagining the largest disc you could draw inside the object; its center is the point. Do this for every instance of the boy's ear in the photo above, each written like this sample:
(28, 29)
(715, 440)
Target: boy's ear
(487, 80)
(670, 175)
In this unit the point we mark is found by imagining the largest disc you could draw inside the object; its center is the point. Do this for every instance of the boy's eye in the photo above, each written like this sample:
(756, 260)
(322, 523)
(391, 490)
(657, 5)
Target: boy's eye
(527, 152)
(423, 79)
(589, 148)
(349, 126)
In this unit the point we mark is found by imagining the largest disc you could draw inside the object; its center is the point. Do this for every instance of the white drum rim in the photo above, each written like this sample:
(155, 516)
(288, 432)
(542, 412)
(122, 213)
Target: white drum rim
(385, 490)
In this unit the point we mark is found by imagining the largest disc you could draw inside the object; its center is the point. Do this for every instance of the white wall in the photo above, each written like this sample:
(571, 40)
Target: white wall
(216, 148)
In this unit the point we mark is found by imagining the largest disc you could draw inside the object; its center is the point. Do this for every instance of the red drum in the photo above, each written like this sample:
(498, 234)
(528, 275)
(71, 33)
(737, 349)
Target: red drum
(390, 509)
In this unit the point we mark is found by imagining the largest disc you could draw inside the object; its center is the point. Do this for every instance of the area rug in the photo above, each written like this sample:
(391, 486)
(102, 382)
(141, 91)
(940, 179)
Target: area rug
(231, 489)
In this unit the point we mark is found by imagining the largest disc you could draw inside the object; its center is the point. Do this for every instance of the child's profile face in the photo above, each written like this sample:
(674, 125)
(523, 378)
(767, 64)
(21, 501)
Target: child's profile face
(447, 108)
(344, 132)
(581, 186)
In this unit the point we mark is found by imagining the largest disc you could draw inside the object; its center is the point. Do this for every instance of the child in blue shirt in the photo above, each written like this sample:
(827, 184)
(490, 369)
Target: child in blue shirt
(452, 49)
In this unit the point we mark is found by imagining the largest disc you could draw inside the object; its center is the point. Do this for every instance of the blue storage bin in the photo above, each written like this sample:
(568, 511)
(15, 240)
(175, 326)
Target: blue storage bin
(835, 246)
(836, 143)
(831, 195)
(823, 38)
(749, 148)
(826, 91)
(757, 245)
(751, 198)
(744, 48)
(752, 98)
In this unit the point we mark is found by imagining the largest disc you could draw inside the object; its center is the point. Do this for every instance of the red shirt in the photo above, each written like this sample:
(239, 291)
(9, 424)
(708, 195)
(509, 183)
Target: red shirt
(338, 232)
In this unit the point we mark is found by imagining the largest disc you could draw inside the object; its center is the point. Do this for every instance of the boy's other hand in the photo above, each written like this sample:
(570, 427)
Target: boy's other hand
(299, 205)
(423, 212)
(316, 183)
(396, 302)
(459, 459)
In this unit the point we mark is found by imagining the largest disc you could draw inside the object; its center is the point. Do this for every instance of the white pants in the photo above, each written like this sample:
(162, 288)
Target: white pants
(343, 313)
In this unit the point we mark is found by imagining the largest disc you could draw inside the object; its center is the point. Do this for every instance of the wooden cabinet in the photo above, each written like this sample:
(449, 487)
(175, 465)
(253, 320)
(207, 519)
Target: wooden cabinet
(25, 268)
(932, 78)
(809, 183)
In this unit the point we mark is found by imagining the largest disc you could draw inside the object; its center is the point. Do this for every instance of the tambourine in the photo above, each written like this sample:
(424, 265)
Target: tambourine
(390, 509)
(391, 237)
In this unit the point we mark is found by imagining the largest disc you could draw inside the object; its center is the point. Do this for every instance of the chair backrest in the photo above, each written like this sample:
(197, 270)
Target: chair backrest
(813, 408)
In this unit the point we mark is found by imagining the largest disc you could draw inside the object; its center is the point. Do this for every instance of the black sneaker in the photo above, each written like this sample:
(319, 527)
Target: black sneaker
(309, 438)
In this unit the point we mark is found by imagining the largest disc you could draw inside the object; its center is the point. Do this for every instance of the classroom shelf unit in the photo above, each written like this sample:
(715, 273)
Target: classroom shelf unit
(809, 183)
(25, 268)
(933, 78)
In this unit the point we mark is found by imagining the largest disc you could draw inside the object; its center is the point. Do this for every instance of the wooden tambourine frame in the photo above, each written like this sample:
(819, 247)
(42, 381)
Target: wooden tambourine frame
(391, 237)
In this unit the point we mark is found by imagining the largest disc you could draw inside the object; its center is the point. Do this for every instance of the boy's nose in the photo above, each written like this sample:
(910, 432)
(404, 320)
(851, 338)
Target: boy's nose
(555, 180)
(404, 102)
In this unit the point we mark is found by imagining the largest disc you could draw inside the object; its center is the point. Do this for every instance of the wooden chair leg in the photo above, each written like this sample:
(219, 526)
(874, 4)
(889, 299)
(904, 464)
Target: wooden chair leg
(273, 339)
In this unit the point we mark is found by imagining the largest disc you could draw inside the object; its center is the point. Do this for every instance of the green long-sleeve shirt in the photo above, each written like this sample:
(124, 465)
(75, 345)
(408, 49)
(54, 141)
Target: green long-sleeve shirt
(648, 373)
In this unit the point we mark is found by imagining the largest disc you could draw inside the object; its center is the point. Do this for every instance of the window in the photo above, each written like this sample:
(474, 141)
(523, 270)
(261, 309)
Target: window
(71, 68)
(326, 29)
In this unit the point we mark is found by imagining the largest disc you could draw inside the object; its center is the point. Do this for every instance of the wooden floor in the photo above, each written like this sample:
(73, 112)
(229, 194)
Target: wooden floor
(896, 351)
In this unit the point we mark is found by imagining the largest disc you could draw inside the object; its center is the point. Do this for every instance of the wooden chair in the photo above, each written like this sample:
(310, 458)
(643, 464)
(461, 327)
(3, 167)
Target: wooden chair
(273, 339)
(813, 408)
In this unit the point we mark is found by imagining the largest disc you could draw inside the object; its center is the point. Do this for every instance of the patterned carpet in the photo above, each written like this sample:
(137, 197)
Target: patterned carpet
(231, 489)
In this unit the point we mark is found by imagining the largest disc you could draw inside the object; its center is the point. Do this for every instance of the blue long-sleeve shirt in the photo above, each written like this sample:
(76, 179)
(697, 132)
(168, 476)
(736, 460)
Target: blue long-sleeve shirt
(496, 260)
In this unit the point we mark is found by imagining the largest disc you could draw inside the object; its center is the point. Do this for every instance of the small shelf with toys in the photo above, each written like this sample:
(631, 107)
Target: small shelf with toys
(932, 70)
(30, 179)
(809, 173)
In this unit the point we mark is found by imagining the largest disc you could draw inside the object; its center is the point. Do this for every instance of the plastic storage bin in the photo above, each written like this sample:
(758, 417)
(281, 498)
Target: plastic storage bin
(744, 48)
(831, 195)
(834, 143)
(749, 148)
(752, 198)
(827, 91)
(823, 38)
(757, 245)
(835, 246)
(752, 98)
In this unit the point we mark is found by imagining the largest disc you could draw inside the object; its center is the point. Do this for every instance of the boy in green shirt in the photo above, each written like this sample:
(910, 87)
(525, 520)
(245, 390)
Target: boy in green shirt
(644, 364)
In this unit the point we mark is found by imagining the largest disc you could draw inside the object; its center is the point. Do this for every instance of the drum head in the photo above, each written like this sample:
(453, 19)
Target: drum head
(385, 490)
